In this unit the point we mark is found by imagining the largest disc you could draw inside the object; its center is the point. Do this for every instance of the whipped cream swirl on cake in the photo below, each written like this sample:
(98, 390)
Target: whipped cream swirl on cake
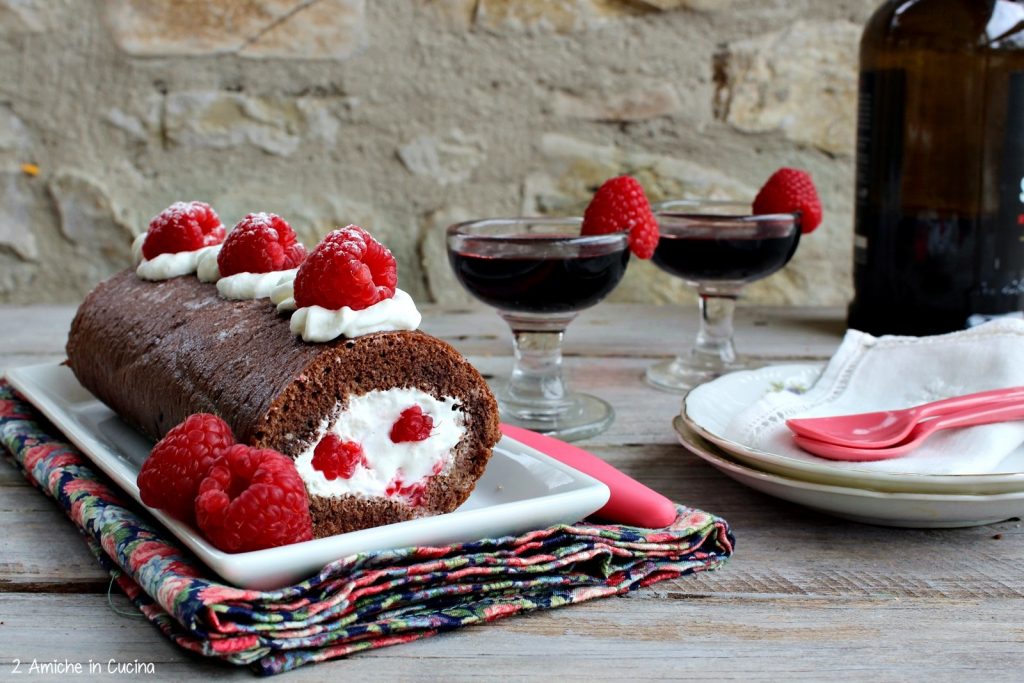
(237, 286)
(253, 285)
(319, 324)
(243, 285)
(166, 266)
(390, 468)
(207, 269)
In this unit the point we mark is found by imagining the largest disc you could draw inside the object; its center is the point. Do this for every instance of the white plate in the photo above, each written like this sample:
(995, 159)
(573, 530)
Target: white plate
(915, 510)
(521, 489)
(709, 408)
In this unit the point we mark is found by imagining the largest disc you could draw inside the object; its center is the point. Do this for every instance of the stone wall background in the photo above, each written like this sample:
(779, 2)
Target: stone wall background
(406, 115)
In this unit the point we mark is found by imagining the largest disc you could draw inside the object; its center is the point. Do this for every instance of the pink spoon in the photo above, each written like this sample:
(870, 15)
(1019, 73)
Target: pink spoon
(887, 427)
(630, 503)
(971, 416)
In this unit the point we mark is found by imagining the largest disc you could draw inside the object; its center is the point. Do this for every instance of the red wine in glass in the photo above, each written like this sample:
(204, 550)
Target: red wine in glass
(711, 258)
(560, 282)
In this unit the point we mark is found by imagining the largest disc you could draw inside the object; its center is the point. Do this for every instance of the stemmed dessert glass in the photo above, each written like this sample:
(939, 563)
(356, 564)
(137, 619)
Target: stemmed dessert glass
(717, 248)
(539, 273)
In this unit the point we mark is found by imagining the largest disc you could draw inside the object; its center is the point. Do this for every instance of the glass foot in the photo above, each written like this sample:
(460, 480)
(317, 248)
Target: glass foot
(575, 417)
(683, 373)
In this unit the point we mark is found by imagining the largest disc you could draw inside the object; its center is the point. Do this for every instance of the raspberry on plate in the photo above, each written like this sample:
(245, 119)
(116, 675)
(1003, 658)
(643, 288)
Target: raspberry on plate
(618, 205)
(169, 479)
(260, 243)
(182, 226)
(411, 425)
(791, 190)
(253, 498)
(348, 268)
(335, 457)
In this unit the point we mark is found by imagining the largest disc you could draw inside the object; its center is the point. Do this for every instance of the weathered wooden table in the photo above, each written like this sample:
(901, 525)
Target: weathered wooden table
(806, 596)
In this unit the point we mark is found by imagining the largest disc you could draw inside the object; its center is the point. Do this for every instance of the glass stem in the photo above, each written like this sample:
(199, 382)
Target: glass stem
(714, 339)
(537, 372)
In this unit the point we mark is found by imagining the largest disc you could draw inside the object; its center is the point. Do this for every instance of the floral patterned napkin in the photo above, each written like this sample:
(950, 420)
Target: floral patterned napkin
(357, 603)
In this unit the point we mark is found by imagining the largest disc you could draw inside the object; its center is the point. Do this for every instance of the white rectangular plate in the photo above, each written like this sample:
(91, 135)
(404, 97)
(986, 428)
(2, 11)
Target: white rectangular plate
(521, 489)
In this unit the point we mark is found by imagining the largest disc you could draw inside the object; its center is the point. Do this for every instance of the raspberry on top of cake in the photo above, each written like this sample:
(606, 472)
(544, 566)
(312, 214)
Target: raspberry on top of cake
(259, 253)
(346, 288)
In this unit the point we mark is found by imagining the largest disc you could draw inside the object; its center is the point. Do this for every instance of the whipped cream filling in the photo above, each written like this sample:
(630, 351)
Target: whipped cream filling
(318, 324)
(166, 266)
(367, 419)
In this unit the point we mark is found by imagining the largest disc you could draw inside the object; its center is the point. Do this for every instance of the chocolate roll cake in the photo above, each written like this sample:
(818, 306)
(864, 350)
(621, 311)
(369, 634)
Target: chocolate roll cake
(156, 352)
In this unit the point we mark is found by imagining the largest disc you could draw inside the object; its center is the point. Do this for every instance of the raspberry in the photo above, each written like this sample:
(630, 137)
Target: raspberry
(253, 498)
(413, 493)
(790, 190)
(182, 227)
(260, 243)
(337, 458)
(169, 479)
(411, 425)
(348, 268)
(618, 205)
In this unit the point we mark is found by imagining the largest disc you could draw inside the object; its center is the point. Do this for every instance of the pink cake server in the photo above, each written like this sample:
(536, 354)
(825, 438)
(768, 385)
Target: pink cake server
(630, 503)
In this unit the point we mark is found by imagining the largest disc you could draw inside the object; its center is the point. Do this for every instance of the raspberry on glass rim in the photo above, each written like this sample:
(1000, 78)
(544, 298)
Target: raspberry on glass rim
(621, 205)
(182, 226)
(791, 190)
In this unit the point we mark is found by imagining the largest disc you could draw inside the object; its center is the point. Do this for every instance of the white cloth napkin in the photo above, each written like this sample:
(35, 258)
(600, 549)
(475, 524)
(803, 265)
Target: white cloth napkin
(882, 373)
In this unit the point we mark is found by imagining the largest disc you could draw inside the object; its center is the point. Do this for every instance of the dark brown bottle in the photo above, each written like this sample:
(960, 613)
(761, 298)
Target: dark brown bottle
(939, 218)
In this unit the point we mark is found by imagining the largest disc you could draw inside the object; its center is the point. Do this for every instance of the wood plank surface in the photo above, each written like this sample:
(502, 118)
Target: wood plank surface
(806, 597)
(667, 635)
